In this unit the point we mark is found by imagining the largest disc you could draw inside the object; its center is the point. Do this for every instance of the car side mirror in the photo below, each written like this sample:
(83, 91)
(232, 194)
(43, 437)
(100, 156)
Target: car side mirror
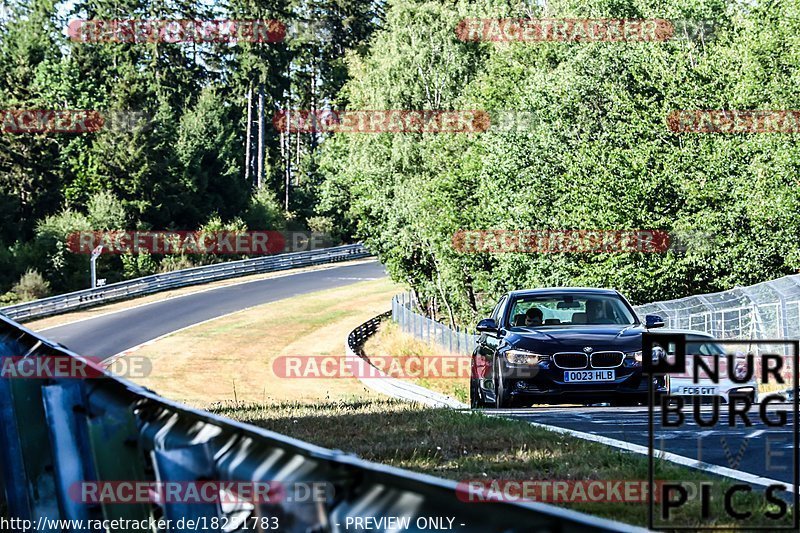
(653, 321)
(487, 325)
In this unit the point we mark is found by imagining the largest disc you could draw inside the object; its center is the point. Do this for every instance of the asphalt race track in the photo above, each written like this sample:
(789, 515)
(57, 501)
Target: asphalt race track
(107, 335)
(760, 450)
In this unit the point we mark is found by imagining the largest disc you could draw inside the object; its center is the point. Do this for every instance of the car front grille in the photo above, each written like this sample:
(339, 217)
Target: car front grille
(606, 359)
(571, 360)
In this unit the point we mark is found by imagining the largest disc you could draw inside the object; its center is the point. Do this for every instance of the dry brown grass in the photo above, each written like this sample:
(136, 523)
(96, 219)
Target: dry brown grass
(230, 358)
(391, 341)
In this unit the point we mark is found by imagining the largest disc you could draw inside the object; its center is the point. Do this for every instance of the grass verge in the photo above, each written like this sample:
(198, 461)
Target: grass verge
(460, 446)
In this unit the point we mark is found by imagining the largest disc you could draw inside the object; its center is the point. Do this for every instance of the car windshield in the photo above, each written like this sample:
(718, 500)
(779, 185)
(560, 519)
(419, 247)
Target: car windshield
(700, 348)
(573, 309)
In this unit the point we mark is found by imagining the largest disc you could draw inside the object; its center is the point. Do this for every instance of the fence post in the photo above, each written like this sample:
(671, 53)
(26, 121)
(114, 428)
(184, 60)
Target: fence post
(428, 332)
(450, 341)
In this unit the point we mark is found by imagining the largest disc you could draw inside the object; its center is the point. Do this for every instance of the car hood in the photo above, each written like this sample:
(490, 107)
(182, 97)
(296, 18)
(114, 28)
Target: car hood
(549, 340)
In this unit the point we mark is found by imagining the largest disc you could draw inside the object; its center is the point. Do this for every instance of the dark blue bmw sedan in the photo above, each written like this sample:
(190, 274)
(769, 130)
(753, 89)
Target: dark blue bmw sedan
(561, 345)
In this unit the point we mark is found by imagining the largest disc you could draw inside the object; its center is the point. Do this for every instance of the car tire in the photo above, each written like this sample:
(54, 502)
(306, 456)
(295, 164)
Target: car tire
(475, 400)
(752, 396)
(502, 396)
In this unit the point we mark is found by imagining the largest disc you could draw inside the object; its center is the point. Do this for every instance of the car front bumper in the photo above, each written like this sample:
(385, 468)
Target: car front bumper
(549, 386)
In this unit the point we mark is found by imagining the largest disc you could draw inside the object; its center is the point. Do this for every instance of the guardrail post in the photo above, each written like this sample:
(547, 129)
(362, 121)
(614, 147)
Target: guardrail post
(64, 407)
(188, 465)
(117, 454)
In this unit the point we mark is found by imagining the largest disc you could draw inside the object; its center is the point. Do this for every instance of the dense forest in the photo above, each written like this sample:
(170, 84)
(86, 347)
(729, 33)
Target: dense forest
(595, 150)
(599, 155)
(177, 157)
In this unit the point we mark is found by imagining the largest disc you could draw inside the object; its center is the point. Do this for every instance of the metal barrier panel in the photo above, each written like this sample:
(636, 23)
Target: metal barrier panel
(179, 278)
(428, 330)
(765, 310)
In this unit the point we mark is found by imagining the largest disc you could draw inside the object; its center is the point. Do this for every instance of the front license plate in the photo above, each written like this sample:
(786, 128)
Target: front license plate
(698, 391)
(580, 376)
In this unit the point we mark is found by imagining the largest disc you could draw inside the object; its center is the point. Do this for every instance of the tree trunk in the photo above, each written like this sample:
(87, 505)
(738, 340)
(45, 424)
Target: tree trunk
(261, 133)
(248, 140)
(442, 294)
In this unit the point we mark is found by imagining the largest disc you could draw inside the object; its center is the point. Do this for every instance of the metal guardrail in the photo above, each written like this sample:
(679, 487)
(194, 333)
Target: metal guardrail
(383, 384)
(179, 278)
(59, 432)
(360, 335)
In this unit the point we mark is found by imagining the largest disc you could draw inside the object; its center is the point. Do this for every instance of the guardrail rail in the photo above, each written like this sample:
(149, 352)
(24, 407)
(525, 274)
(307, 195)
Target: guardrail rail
(180, 278)
(58, 432)
(383, 384)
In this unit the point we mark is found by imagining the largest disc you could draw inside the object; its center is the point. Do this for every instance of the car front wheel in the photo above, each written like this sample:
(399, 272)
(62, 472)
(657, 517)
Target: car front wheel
(502, 396)
(475, 400)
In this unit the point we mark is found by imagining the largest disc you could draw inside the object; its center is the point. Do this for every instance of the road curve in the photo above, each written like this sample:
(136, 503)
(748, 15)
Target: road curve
(109, 334)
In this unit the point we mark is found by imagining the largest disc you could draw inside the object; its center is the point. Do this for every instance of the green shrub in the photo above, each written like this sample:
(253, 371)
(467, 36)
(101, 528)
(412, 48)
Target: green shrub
(64, 269)
(106, 212)
(138, 265)
(264, 212)
(320, 224)
(9, 298)
(31, 286)
(175, 262)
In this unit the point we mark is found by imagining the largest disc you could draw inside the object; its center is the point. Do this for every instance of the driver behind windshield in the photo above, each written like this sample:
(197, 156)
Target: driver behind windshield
(534, 317)
(596, 313)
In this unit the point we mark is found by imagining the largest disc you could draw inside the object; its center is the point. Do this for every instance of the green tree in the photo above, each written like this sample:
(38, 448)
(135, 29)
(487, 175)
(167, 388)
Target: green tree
(592, 151)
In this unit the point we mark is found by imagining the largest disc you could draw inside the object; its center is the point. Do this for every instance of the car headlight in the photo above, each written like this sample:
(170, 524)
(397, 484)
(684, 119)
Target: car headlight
(523, 357)
(658, 353)
(740, 370)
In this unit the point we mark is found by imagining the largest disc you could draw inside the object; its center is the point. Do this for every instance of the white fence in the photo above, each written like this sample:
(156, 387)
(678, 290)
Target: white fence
(768, 310)
(433, 332)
